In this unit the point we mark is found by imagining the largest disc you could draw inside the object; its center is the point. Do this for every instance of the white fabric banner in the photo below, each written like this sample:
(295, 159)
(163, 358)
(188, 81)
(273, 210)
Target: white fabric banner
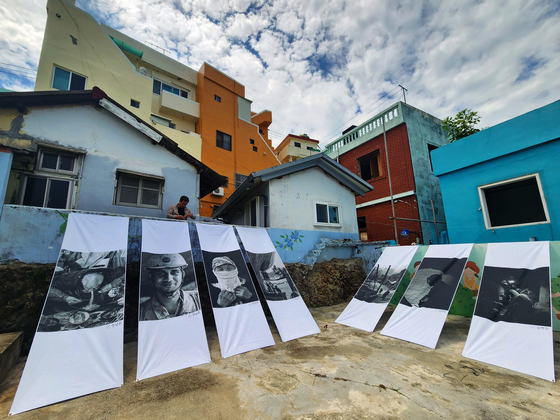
(288, 309)
(171, 334)
(240, 320)
(512, 321)
(78, 346)
(421, 313)
(370, 301)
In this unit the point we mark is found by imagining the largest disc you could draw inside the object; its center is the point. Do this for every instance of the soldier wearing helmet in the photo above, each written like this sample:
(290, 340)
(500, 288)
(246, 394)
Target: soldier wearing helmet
(166, 273)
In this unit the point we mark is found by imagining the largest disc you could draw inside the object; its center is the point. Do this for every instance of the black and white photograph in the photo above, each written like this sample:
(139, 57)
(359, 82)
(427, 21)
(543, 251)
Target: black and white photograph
(275, 281)
(87, 291)
(228, 278)
(516, 295)
(168, 286)
(380, 284)
(435, 283)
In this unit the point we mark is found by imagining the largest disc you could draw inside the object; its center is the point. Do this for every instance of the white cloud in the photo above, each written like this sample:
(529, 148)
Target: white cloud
(315, 63)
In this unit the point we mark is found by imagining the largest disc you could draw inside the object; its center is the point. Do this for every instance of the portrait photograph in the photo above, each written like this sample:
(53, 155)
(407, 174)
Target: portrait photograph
(274, 280)
(380, 284)
(434, 283)
(167, 286)
(516, 295)
(87, 291)
(228, 278)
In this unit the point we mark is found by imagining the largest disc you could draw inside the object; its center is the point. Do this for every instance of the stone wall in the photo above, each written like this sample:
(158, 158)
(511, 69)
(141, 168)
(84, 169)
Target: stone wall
(23, 288)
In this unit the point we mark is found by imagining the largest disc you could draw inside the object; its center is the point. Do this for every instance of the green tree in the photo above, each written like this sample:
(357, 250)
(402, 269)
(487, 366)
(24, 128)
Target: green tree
(461, 126)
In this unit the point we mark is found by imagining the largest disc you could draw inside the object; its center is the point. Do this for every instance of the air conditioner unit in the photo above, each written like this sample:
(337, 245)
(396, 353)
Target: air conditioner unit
(219, 192)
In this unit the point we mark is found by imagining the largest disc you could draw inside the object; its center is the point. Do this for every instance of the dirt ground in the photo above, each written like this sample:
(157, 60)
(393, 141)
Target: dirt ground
(341, 373)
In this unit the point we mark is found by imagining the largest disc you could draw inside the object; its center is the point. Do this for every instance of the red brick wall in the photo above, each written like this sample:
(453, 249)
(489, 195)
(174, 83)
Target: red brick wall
(380, 227)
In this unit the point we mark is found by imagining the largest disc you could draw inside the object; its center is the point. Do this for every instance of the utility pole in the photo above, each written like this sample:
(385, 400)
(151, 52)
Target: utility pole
(390, 182)
(404, 90)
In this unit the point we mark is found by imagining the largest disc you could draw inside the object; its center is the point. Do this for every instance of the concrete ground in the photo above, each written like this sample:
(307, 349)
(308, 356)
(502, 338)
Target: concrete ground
(341, 373)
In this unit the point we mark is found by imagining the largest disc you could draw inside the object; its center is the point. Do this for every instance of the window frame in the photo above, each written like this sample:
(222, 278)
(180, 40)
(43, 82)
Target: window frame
(247, 213)
(297, 144)
(484, 206)
(217, 98)
(218, 133)
(49, 179)
(69, 79)
(140, 177)
(329, 224)
(179, 89)
(369, 156)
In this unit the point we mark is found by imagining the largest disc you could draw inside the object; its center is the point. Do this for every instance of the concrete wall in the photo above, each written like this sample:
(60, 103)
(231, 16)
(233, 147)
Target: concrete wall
(292, 201)
(109, 145)
(98, 58)
(424, 129)
(524, 145)
(5, 165)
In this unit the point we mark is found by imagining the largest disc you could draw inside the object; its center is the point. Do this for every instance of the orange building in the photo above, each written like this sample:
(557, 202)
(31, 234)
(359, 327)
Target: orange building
(296, 147)
(234, 140)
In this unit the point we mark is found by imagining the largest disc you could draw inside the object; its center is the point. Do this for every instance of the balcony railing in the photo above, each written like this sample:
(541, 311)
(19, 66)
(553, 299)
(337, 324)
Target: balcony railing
(177, 105)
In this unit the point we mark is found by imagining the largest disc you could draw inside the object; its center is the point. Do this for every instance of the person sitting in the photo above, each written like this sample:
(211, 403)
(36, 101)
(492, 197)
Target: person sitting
(180, 211)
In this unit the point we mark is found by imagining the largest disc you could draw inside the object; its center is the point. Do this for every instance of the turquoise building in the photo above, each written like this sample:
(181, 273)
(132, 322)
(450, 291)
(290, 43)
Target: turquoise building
(502, 184)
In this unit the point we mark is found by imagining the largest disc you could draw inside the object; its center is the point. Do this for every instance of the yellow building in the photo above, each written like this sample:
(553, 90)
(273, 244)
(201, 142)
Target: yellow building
(296, 147)
(186, 105)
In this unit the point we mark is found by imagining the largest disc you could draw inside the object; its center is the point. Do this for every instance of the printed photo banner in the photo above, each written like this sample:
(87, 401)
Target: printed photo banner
(512, 322)
(240, 320)
(370, 301)
(291, 316)
(421, 313)
(78, 346)
(171, 334)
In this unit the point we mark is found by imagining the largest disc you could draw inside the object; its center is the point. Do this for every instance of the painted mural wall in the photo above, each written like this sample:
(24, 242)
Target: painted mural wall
(293, 197)
(109, 145)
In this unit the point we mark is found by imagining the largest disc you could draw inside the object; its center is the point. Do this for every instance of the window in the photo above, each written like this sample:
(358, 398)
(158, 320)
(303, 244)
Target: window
(431, 147)
(223, 140)
(160, 86)
(261, 131)
(52, 183)
(252, 216)
(217, 98)
(368, 166)
(297, 144)
(239, 178)
(67, 80)
(251, 141)
(134, 103)
(518, 201)
(163, 121)
(138, 191)
(255, 149)
(327, 214)
(362, 224)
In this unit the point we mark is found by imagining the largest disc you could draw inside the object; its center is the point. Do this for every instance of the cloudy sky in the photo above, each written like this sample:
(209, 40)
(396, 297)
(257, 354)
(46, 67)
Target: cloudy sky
(322, 65)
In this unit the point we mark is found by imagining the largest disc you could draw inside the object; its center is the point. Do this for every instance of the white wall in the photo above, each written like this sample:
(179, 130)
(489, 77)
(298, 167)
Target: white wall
(293, 197)
(111, 144)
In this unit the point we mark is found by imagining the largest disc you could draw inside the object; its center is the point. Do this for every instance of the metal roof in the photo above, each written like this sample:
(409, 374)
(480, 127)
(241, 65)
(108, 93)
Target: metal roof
(327, 164)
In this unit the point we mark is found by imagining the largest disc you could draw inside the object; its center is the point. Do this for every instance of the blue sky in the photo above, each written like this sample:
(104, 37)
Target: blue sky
(322, 65)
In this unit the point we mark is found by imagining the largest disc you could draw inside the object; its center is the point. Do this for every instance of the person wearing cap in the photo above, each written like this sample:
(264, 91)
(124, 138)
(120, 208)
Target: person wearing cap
(470, 275)
(166, 273)
(180, 211)
(232, 289)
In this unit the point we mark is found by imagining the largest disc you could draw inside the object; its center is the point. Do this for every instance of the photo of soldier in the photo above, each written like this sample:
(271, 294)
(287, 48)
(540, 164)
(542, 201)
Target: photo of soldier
(168, 286)
(274, 280)
(380, 284)
(520, 296)
(435, 283)
(87, 291)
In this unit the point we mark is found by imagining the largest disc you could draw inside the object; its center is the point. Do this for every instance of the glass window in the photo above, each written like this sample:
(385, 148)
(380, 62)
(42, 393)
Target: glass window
(217, 98)
(67, 80)
(134, 103)
(157, 87)
(327, 214)
(138, 191)
(255, 149)
(369, 166)
(223, 140)
(297, 144)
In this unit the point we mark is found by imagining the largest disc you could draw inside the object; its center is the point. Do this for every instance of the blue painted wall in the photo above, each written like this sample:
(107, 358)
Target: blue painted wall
(5, 165)
(524, 145)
